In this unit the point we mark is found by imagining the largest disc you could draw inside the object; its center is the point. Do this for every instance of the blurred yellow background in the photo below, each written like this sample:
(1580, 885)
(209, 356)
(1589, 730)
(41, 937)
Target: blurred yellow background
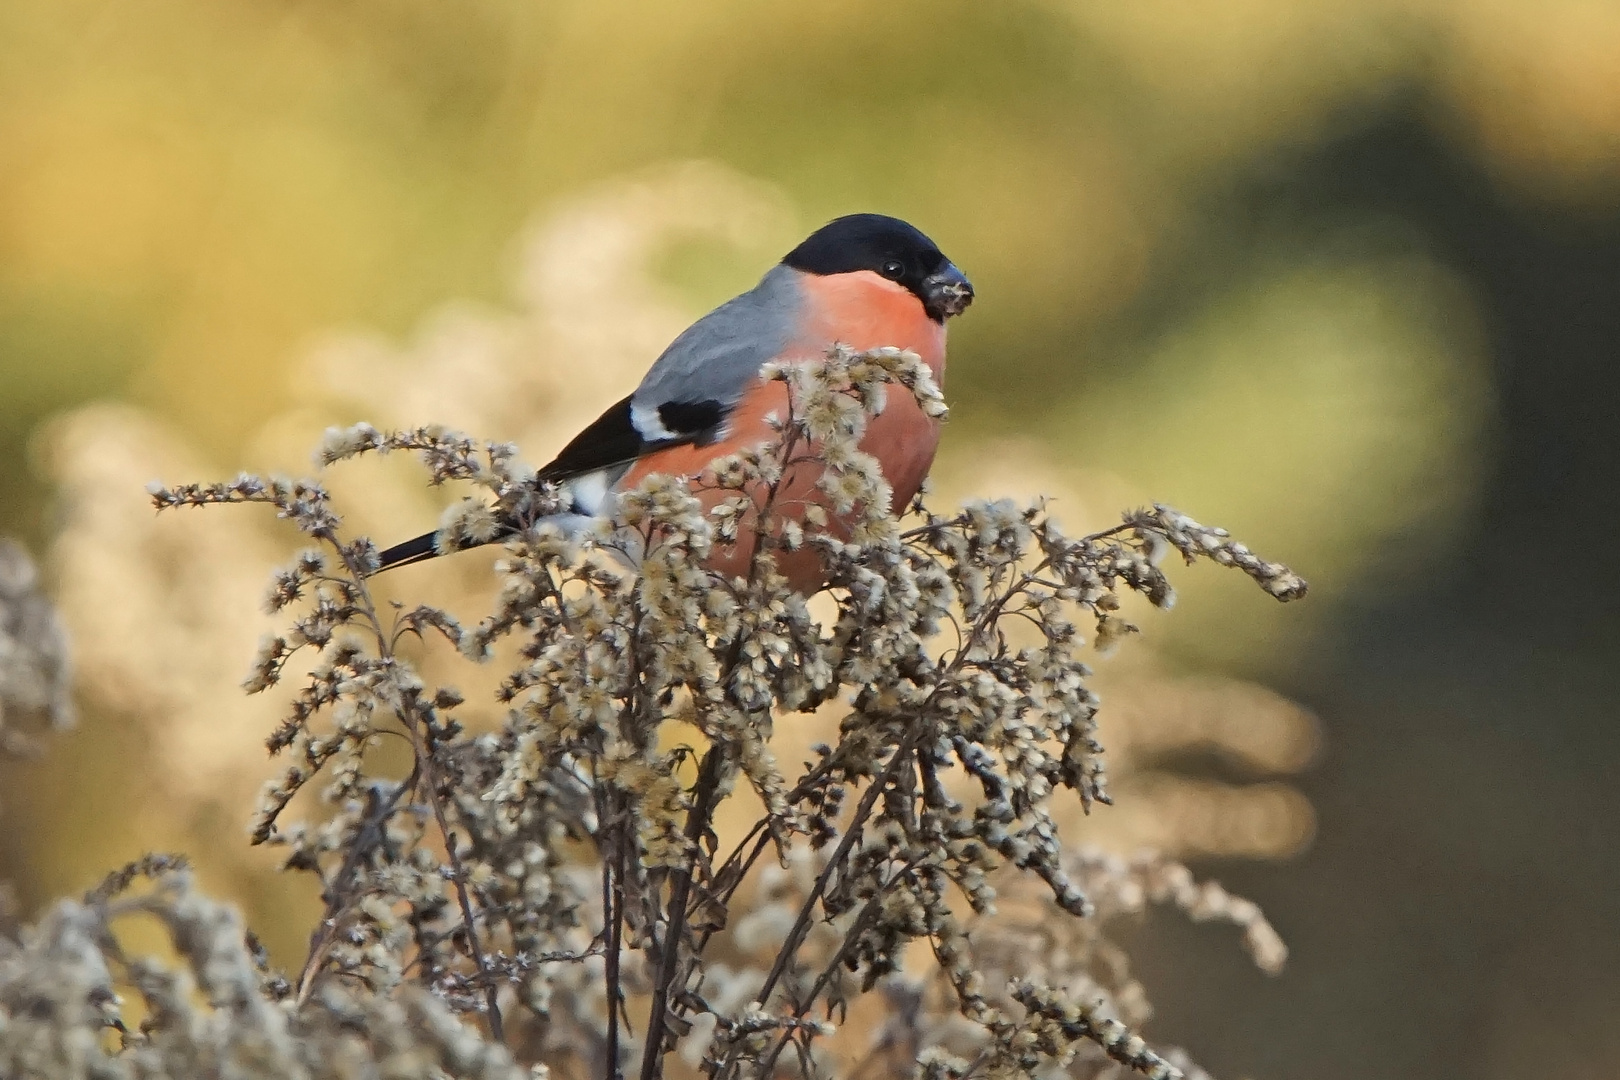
(1342, 276)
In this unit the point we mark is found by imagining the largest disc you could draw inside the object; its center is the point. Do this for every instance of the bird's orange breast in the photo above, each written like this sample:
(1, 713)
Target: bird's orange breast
(864, 311)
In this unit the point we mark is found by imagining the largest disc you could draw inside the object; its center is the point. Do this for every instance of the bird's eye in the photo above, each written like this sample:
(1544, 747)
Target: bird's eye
(894, 269)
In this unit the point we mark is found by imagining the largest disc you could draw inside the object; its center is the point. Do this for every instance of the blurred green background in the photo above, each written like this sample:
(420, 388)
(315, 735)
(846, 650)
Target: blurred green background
(1343, 276)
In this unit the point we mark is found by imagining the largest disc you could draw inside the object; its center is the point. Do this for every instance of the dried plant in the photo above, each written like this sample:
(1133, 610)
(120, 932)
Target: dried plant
(219, 1012)
(161, 650)
(35, 679)
(588, 880)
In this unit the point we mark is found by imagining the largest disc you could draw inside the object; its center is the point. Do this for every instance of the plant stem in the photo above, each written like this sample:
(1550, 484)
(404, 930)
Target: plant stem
(697, 823)
(422, 744)
(868, 915)
(491, 992)
(801, 925)
(612, 927)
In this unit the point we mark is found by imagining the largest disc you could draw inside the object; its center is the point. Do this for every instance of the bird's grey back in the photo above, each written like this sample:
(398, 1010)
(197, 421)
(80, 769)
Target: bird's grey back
(717, 357)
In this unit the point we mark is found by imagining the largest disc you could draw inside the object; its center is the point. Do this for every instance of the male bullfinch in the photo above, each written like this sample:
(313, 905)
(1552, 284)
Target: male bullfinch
(865, 281)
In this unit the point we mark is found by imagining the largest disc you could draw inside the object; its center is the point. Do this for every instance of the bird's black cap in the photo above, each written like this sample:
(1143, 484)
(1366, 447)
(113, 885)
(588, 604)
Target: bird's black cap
(890, 247)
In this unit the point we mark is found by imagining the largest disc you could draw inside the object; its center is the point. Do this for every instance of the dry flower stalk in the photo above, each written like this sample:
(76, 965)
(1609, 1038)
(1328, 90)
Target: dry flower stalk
(35, 679)
(563, 878)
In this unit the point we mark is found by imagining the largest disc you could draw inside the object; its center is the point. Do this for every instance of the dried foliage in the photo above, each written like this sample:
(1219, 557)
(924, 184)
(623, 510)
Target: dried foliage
(902, 902)
(161, 651)
(35, 679)
(219, 1012)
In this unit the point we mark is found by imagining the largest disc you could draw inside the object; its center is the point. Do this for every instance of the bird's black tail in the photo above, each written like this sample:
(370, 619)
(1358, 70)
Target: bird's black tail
(420, 549)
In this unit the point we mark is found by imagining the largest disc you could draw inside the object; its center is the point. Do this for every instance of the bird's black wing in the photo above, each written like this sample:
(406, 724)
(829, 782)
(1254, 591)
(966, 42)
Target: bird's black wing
(613, 439)
(610, 442)
(607, 442)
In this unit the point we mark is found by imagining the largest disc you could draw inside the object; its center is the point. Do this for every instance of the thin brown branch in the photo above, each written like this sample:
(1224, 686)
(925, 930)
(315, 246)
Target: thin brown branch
(613, 932)
(459, 879)
(863, 921)
(863, 811)
(697, 823)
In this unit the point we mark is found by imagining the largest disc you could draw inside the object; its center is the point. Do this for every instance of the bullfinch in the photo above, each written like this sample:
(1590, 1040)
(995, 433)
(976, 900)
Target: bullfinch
(865, 281)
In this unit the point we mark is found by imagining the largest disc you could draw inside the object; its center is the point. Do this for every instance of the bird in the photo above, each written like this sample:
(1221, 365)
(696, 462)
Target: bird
(865, 281)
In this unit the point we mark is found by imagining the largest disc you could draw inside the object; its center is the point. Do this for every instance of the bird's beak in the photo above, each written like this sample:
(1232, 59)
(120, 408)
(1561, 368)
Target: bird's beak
(947, 292)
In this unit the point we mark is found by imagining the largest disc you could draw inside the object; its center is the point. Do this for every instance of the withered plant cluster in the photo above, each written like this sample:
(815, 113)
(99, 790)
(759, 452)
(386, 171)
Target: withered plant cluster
(35, 679)
(623, 879)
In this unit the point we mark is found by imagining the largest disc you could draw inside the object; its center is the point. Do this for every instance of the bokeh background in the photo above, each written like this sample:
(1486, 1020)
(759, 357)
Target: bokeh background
(1343, 276)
